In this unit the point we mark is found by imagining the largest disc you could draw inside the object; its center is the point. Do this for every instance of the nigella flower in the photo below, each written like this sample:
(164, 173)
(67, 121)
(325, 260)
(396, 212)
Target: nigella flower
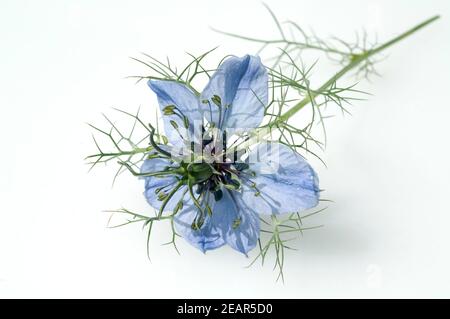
(217, 199)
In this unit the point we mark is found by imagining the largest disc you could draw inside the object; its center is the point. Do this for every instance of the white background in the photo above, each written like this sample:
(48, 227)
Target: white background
(62, 63)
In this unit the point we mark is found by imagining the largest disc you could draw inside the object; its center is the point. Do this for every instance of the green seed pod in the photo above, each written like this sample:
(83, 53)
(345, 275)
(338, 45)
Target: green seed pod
(199, 172)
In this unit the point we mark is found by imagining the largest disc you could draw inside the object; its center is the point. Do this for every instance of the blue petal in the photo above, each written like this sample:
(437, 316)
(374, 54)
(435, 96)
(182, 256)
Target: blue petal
(285, 181)
(206, 238)
(152, 183)
(177, 94)
(230, 223)
(238, 222)
(242, 85)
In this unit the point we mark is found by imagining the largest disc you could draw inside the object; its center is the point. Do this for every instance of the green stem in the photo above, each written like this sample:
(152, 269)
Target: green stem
(263, 131)
(357, 60)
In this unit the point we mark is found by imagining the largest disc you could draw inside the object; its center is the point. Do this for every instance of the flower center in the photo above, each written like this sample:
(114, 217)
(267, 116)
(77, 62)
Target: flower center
(211, 177)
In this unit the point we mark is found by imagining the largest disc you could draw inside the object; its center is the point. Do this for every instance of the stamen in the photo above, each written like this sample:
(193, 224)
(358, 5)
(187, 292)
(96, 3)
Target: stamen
(224, 144)
(169, 196)
(169, 110)
(210, 110)
(236, 223)
(153, 143)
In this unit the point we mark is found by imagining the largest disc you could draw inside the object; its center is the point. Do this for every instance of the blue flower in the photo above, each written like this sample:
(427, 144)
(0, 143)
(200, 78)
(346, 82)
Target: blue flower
(214, 203)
